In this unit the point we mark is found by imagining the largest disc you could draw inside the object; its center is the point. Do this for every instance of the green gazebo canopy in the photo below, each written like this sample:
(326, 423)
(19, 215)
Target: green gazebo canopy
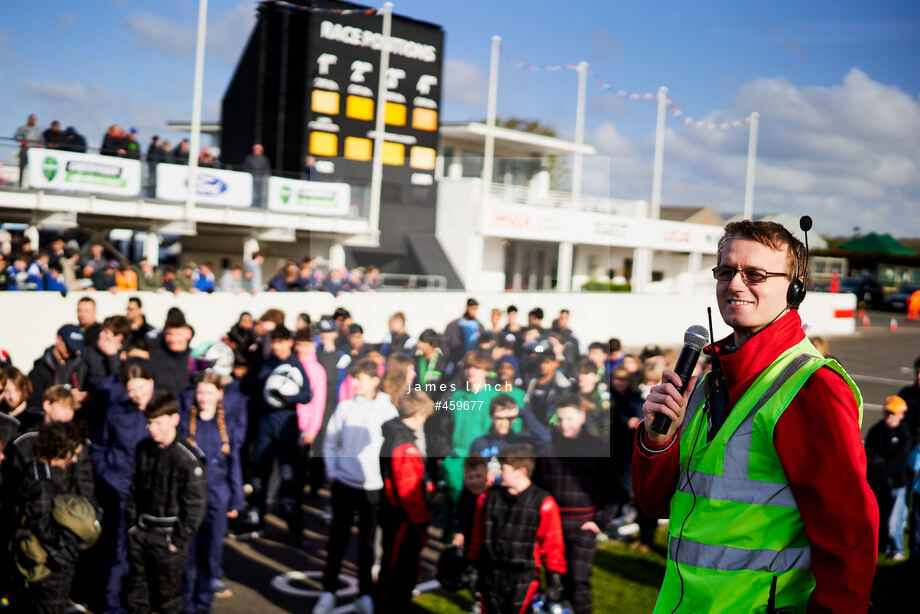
(878, 244)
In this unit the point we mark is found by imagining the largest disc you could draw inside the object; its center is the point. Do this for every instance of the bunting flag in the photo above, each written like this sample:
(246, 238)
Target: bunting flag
(313, 9)
(608, 88)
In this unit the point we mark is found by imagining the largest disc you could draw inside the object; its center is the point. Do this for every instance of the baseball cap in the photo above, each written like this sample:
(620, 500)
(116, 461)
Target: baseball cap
(895, 405)
(471, 301)
(327, 326)
(72, 336)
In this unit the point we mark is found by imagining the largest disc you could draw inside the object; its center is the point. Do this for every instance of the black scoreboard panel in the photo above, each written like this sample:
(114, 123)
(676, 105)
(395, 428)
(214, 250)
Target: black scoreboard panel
(343, 68)
(307, 84)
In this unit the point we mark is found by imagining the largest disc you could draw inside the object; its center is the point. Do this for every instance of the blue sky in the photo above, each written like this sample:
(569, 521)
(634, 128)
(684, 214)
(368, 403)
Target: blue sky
(836, 84)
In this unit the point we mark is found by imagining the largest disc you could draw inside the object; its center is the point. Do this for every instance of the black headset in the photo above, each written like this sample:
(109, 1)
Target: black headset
(796, 292)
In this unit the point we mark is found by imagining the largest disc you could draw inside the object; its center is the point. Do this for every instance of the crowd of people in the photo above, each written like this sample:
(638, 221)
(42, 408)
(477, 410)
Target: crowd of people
(457, 414)
(116, 142)
(68, 267)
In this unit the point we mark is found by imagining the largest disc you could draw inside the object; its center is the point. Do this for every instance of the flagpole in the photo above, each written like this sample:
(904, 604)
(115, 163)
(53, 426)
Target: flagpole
(373, 220)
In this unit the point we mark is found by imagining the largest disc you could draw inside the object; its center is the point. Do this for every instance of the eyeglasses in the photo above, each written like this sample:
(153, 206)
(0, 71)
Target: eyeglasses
(749, 275)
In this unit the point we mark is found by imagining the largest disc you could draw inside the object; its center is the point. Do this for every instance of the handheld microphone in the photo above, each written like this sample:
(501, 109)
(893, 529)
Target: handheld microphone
(695, 339)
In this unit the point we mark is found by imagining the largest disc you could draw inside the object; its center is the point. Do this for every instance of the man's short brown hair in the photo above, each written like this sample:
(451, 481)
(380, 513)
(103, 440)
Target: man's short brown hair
(366, 366)
(474, 463)
(61, 394)
(502, 402)
(477, 360)
(769, 234)
(163, 403)
(413, 404)
(519, 455)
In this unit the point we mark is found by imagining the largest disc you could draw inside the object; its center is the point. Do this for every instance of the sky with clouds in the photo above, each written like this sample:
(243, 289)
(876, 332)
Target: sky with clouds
(836, 83)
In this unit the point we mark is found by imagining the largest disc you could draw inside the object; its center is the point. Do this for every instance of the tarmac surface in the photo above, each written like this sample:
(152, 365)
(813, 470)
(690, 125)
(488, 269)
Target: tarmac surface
(268, 575)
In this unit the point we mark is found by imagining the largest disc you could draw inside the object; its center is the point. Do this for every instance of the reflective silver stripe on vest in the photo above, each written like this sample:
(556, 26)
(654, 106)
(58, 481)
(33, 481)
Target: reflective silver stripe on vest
(738, 446)
(737, 489)
(728, 558)
(733, 484)
(695, 400)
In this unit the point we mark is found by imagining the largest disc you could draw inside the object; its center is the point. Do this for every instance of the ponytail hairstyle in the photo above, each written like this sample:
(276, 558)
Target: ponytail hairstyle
(209, 377)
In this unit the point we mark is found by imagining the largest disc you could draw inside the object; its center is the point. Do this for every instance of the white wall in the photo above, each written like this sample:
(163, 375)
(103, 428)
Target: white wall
(31, 318)
(457, 204)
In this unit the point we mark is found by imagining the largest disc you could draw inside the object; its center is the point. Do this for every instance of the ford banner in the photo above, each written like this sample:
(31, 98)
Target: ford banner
(213, 187)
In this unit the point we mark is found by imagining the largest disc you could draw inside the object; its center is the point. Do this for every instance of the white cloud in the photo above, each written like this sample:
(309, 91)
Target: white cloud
(847, 155)
(465, 84)
(227, 32)
(58, 91)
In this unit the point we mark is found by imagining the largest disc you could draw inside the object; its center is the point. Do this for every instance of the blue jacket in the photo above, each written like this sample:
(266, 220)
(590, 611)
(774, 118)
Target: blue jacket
(235, 413)
(531, 432)
(290, 402)
(113, 454)
(914, 464)
(225, 476)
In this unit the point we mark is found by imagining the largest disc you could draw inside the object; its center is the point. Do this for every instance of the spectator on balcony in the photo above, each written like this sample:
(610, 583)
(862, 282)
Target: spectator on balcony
(4, 272)
(53, 279)
(104, 278)
(150, 280)
(307, 274)
(252, 273)
(287, 279)
(155, 155)
(69, 264)
(355, 280)
(57, 249)
(96, 257)
(114, 142)
(372, 279)
(335, 281)
(184, 278)
(29, 135)
(74, 141)
(309, 169)
(259, 166)
(132, 147)
(54, 138)
(19, 278)
(203, 278)
(126, 277)
(206, 158)
(231, 280)
(39, 266)
(166, 152)
(169, 280)
(180, 153)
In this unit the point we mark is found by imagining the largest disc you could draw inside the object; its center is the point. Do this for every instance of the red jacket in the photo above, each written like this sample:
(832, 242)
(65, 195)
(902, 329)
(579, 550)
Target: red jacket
(403, 470)
(820, 446)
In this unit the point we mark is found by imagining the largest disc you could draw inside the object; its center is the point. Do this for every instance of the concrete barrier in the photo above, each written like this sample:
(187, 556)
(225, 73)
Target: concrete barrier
(30, 319)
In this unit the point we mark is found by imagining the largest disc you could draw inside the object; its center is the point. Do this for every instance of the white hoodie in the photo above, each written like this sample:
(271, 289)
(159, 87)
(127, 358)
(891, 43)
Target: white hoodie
(351, 449)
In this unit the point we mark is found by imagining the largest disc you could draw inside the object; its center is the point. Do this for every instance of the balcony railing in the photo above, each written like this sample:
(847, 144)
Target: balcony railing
(527, 195)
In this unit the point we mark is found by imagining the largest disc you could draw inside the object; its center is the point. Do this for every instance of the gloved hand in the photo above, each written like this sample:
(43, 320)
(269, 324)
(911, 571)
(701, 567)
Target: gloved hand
(553, 591)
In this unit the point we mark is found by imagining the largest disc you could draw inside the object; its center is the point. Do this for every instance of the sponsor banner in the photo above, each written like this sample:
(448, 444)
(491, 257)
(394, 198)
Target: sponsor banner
(214, 186)
(550, 224)
(308, 197)
(79, 172)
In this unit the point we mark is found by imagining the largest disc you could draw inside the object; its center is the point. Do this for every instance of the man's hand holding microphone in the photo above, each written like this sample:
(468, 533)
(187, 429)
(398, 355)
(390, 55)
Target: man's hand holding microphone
(666, 403)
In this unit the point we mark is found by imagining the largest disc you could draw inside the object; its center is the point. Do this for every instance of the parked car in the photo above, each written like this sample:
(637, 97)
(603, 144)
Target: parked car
(866, 288)
(897, 301)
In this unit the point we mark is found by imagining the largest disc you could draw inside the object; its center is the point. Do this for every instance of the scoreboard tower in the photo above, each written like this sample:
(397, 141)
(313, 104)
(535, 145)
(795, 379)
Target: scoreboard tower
(306, 85)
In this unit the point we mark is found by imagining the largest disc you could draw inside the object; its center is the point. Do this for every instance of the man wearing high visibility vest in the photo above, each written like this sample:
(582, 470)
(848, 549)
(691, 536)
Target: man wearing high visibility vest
(769, 511)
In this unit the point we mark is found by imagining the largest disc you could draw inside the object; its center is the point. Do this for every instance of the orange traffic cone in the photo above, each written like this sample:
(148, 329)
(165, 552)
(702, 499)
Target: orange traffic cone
(865, 320)
(893, 324)
(862, 313)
